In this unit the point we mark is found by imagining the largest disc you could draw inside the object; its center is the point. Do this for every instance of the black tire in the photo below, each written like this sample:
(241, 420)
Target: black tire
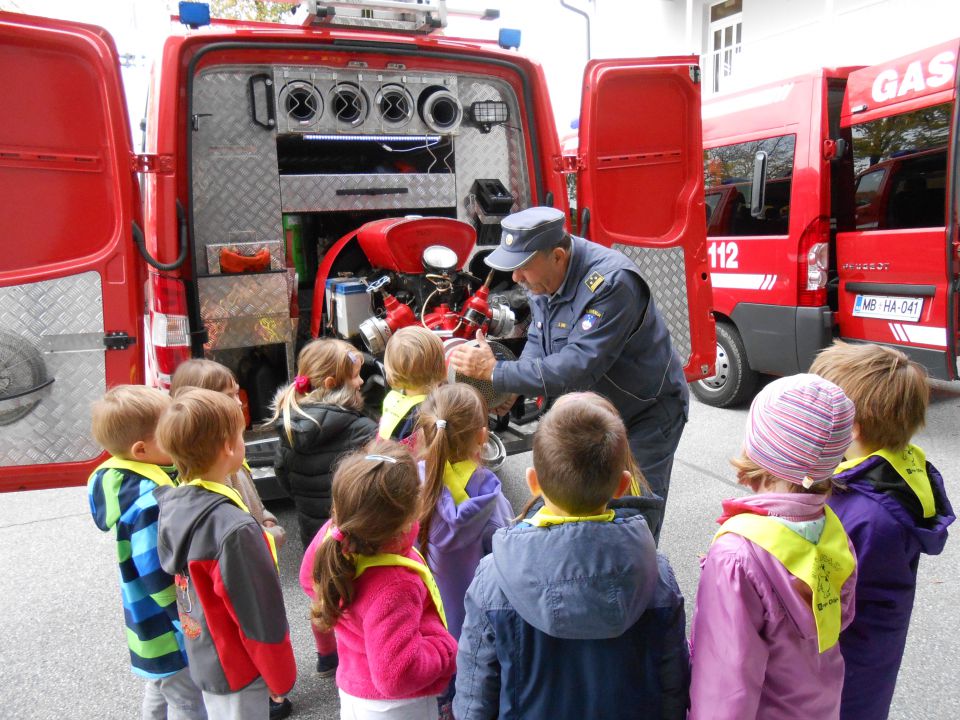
(734, 382)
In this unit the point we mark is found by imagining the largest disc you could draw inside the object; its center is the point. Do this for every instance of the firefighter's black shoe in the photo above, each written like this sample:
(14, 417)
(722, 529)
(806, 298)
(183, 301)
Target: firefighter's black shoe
(280, 710)
(327, 664)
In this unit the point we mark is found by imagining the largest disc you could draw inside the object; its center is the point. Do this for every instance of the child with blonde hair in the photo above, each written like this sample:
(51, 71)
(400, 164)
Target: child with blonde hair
(414, 365)
(892, 503)
(121, 496)
(372, 585)
(462, 503)
(210, 375)
(228, 589)
(318, 417)
(777, 585)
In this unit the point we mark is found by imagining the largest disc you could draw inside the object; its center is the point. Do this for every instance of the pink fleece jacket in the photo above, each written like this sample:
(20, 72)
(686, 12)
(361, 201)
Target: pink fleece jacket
(391, 641)
(753, 645)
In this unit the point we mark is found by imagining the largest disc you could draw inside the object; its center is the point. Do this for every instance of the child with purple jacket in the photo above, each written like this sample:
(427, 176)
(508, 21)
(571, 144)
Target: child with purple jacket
(893, 506)
(462, 504)
(777, 586)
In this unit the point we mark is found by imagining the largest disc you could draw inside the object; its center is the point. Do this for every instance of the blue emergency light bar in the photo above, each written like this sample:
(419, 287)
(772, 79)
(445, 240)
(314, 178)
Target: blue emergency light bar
(509, 38)
(194, 14)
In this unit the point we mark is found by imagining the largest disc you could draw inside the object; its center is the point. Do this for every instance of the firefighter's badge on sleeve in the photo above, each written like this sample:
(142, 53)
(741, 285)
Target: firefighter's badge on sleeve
(590, 318)
(593, 281)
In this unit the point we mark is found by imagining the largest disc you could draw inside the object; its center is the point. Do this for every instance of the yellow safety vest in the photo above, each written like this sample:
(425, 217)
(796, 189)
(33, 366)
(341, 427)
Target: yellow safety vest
(911, 464)
(456, 477)
(823, 566)
(148, 470)
(393, 560)
(396, 405)
(234, 497)
(545, 519)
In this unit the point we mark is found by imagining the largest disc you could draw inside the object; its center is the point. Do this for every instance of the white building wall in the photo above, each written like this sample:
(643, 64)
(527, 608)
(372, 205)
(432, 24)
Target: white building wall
(789, 37)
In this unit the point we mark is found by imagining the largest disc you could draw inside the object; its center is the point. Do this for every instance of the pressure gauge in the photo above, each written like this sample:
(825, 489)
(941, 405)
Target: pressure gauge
(439, 259)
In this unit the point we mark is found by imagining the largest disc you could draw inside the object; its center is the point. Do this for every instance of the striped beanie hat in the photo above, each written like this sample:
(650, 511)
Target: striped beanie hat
(798, 428)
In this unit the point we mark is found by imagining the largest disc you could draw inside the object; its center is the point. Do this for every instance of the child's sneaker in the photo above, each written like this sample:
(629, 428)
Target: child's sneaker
(280, 710)
(327, 664)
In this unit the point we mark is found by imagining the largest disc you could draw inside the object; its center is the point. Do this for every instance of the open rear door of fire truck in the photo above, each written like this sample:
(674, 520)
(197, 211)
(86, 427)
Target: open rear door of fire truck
(899, 272)
(640, 187)
(70, 288)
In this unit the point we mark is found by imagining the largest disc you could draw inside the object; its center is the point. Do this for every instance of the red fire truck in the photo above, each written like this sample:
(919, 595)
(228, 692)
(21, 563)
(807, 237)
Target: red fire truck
(274, 195)
(832, 212)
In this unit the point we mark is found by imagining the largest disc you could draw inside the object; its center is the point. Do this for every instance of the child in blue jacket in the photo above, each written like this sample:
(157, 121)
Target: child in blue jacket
(574, 614)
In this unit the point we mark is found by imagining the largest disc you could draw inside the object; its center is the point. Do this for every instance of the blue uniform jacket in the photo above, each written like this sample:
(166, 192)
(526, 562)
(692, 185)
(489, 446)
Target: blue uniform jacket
(600, 331)
(580, 620)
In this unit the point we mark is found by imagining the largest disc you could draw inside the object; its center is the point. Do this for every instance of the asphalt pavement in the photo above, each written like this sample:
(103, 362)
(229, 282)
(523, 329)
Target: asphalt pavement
(62, 649)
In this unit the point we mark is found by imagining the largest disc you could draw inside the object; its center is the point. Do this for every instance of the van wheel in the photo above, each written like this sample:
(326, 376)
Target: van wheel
(734, 382)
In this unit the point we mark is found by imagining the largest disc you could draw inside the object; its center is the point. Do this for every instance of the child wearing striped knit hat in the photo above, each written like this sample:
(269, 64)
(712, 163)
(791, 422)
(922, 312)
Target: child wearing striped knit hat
(777, 585)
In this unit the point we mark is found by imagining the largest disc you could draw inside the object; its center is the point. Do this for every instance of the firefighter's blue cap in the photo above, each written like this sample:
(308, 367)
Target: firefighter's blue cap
(523, 234)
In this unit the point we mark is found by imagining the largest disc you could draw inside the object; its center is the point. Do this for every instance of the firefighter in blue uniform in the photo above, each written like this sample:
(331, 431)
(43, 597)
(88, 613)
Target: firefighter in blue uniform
(594, 327)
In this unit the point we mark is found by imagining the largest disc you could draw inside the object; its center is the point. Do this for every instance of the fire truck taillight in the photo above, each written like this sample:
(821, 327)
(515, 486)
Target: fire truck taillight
(814, 262)
(169, 327)
(818, 258)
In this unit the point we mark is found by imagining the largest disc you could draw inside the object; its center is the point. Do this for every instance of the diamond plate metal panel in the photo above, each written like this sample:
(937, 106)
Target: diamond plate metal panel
(229, 296)
(665, 273)
(496, 154)
(249, 331)
(276, 248)
(236, 187)
(58, 427)
(306, 193)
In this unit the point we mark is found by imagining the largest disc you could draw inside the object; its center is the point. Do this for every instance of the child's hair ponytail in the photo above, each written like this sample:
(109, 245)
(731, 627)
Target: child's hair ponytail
(318, 360)
(375, 495)
(449, 418)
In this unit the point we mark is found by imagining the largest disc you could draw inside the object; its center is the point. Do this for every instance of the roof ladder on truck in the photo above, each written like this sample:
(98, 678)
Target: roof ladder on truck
(409, 15)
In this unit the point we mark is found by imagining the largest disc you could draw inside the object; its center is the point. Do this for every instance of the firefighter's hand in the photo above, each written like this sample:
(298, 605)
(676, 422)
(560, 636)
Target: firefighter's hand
(475, 361)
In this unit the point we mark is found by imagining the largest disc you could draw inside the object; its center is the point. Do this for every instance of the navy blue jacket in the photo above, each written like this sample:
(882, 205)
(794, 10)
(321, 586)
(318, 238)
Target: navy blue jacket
(573, 621)
(600, 331)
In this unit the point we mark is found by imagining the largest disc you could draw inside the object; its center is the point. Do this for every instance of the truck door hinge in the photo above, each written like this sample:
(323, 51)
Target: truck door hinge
(118, 340)
(148, 163)
(568, 163)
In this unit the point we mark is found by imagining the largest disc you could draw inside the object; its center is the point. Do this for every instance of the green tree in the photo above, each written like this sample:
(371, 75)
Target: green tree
(250, 10)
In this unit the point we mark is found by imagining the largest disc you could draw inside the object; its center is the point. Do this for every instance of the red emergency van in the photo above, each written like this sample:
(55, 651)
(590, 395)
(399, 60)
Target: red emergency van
(271, 202)
(832, 213)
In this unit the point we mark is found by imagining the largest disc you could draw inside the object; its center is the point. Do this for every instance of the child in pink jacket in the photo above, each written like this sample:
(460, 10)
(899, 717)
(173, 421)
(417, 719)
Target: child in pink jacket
(777, 585)
(370, 584)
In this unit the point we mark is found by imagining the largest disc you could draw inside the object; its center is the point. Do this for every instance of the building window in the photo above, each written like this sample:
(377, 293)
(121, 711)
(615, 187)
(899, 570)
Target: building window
(726, 29)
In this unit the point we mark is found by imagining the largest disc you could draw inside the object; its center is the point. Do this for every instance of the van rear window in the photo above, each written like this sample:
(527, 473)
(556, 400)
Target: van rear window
(901, 163)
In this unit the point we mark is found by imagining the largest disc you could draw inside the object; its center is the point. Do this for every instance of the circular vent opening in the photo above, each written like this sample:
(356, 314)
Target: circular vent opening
(440, 110)
(395, 105)
(349, 104)
(301, 102)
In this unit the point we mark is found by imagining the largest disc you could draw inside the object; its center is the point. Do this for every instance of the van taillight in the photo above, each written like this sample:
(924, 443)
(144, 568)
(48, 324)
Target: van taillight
(814, 263)
(169, 325)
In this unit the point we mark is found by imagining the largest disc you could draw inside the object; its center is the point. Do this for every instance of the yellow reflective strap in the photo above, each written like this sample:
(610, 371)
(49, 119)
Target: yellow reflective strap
(545, 519)
(234, 497)
(910, 464)
(420, 568)
(823, 567)
(456, 477)
(396, 405)
(148, 470)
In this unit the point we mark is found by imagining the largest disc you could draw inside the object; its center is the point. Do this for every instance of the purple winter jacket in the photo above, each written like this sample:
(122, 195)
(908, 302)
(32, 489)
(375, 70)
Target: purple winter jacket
(884, 521)
(460, 535)
(753, 645)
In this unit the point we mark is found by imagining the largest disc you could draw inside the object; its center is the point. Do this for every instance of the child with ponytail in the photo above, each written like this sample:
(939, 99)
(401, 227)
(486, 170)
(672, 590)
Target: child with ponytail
(372, 585)
(462, 504)
(318, 418)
